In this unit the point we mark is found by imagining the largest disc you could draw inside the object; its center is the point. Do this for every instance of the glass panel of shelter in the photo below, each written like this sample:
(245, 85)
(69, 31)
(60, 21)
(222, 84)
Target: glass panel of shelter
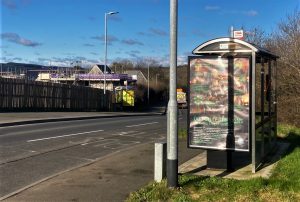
(273, 101)
(265, 106)
(259, 111)
(258, 93)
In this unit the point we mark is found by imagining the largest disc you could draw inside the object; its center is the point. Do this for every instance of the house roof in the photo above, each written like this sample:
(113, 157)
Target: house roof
(139, 73)
(99, 69)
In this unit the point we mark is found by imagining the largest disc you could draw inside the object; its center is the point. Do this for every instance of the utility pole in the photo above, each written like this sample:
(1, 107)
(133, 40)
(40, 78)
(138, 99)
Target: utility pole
(172, 138)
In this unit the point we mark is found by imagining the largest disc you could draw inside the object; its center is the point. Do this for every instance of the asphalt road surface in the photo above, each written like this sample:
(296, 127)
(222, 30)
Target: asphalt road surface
(30, 153)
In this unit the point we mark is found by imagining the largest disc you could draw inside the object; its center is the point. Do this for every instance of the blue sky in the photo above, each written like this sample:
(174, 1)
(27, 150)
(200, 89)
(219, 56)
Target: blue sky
(63, 31)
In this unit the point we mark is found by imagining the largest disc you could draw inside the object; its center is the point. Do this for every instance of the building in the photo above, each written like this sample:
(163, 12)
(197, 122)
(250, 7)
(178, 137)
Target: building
(138, 75)
(94, 78)
(21, 70)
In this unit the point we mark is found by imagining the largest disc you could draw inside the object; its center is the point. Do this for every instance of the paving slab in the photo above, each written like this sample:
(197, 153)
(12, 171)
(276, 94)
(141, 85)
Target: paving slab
(197, 166)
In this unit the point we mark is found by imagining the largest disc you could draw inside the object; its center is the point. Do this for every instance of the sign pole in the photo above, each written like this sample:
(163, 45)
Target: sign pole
(172, 139)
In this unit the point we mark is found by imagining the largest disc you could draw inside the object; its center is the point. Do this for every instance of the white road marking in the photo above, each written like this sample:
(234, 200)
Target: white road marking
(143, 124)
(48, 138)
(104, 145)
(129, 134)
(126, 133)
(129, 142)
(100, 141)
(91, 142)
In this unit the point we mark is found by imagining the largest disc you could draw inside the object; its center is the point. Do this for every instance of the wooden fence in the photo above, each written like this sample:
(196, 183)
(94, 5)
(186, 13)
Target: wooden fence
(25, 95)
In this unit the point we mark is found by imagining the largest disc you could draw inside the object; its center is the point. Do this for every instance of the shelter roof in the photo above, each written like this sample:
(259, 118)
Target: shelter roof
(220, 46)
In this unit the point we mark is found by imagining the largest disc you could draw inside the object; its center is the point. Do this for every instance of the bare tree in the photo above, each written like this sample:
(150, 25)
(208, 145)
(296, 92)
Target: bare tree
(121, 65)
(285, 42)
(256, 36)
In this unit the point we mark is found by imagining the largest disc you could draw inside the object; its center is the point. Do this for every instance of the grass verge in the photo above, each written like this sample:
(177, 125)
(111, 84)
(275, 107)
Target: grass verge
(283, 185)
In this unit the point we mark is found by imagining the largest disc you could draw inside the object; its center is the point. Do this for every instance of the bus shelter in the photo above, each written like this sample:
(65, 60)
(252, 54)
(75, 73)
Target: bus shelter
(232, 101)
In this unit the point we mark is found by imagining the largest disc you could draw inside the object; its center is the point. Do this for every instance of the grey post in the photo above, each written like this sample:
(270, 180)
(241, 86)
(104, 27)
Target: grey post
(160, 161)
(172, 140)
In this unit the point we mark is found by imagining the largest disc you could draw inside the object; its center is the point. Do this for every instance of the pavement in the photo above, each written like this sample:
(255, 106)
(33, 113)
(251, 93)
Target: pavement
(110, 178)
(20, 118)
(242, 165)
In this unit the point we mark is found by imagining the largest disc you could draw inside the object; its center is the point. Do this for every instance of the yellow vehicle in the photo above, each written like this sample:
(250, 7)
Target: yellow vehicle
(181, 98)
(125, 97)
(128, 98)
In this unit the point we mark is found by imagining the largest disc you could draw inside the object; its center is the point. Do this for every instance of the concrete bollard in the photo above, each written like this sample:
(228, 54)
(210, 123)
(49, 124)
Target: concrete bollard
(160, 156)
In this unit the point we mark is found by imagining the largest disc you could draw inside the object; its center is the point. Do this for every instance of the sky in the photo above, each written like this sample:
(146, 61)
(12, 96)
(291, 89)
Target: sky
(60, 32)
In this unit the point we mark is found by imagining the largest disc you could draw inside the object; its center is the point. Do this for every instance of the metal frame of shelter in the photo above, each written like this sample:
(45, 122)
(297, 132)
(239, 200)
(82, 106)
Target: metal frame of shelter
(262, 92)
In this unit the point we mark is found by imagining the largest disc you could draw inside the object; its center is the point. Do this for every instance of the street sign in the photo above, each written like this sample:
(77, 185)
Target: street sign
(238, 34)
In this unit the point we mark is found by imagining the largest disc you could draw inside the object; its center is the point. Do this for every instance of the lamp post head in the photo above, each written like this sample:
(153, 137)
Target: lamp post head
(112, 13)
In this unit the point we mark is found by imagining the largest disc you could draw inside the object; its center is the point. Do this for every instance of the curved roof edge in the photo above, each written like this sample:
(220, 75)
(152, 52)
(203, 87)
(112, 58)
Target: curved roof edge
(251, 46)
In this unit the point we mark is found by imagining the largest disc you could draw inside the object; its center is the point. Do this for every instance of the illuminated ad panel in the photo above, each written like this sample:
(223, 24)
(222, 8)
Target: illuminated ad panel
(208, 104)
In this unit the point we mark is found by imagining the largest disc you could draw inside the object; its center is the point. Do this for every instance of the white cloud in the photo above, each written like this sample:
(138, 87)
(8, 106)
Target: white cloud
(212, 8)
(250, 13)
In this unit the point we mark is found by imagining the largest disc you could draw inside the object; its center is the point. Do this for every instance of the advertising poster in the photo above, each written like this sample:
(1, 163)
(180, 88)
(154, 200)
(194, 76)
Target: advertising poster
(241, 103)
(209, 103)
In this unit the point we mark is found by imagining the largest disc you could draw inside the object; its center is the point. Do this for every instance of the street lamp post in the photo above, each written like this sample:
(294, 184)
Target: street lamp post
(172, 139)
(105, 41)
(148, 94)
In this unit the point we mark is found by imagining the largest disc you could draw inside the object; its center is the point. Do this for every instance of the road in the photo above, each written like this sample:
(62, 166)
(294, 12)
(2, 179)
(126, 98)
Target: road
(30, 153)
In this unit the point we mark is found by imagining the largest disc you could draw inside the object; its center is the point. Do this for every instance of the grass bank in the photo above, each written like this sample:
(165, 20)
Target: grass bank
(283, 185)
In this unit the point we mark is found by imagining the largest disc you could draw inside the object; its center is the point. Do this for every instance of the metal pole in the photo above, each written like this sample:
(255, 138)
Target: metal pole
(231, 31)
(148, 93)
(105, 54)
(252, 108)
(172, 139)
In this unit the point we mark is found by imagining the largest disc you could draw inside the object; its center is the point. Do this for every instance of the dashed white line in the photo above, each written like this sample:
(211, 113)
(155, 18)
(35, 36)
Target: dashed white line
(48, 138)
(142, 124)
